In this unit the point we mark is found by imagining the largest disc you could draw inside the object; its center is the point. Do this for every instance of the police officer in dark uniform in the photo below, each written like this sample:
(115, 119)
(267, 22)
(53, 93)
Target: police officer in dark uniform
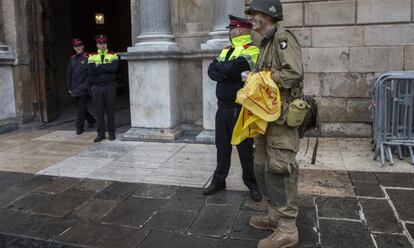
(226, 70)
(77, 84)
(102, 68)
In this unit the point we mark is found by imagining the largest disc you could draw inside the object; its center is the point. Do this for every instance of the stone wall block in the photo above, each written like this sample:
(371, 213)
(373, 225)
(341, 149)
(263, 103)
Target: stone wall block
(337, 36)
(332, 109)
(362, 130)
(382, 11)
(330, 13)
(357, 110)
(389, 35)
(346, 84)
(376, 59)
(312, 84)
(326, 59)
(304, 36)
(294, 14)
(409, 58)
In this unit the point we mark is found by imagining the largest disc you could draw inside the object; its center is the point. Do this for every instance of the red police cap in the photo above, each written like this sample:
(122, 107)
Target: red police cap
(101, 38)
(77, 42)
(238, 22)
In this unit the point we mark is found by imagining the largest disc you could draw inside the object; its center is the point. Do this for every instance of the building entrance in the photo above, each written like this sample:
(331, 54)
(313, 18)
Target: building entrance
(51, 27)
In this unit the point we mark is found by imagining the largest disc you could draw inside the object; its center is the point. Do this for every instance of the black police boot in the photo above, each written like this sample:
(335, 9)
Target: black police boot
(98, 138)
(255, 194)
(111, 136)
(79, 131)
(214, 188)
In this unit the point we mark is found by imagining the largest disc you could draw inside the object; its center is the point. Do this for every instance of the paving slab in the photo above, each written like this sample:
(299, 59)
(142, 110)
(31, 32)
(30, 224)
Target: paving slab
(388, 241)
(103, 236)
(340, 234)
(43, 227)
(11, 179)
(186, 199)
(155, 191)
(92, 184)
(226, 243)
(325, 183)
(363, 177)
(380, 216)
(410, 229)
(10, 219)
(10, 241)
(212, 214)
(117, 191)
(227, 197)
(32, 201)
(162, 239)
(93, 209)
(75, 166)
(307, 227)
(22, 189)
(405, 180)
(338, 207)
(403, 201)
(126, 213)
(172, 220)
(242, 230)
(64, 203)
(60, 185)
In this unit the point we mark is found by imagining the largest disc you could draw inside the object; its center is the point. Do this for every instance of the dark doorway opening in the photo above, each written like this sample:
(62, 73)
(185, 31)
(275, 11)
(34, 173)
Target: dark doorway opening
(67, 19)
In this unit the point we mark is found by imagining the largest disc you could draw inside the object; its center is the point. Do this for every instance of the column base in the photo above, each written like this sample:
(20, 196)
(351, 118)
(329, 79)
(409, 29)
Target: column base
(6, 55)
(206, 136)
(153, 46)
(8, 125)
(140, 133)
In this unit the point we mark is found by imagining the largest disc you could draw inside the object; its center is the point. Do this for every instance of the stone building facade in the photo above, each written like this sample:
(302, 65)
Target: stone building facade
(346, 44)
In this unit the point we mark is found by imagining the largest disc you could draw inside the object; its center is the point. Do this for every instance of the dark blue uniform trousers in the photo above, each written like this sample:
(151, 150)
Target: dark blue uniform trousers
(103, 100)
(226, 118)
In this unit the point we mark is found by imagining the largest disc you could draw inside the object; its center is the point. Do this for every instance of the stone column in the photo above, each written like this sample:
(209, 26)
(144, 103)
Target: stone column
(155, 27)
(153, 73)
(8, 119)
(219, 39)
(2, 38)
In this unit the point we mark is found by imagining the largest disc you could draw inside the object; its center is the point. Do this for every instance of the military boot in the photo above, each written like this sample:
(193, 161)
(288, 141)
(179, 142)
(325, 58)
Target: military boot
(268, 221)
(286, 235)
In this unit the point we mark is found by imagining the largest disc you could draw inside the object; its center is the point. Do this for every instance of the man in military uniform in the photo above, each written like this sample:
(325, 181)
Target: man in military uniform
(275, 163)
(77, 83)
(102, 68)
(226, 70)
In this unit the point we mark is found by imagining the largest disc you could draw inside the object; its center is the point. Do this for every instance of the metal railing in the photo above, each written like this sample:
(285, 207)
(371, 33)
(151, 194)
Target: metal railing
(393, 116)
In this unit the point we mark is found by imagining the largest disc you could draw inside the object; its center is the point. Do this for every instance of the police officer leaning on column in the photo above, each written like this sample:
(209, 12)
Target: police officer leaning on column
(77, 83)
(102, 68)
(275, 163)
(226, 69)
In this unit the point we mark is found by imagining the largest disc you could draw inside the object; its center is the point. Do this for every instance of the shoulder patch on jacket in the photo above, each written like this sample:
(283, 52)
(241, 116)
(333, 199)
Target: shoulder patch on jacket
(73, 56)
(283, 44)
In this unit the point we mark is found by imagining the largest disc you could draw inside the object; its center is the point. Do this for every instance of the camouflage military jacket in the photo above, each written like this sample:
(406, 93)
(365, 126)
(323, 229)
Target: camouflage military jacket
(281, 54)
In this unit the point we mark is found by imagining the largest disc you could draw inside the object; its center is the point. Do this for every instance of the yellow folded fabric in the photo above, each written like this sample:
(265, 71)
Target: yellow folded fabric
(260, 100)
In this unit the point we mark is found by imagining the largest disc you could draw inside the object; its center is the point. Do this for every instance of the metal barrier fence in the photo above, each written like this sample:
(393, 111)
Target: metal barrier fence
(393, 116)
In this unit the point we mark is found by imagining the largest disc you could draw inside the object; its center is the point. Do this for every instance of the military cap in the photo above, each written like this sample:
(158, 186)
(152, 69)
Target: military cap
(101, 38)
(239, 22)
(77, 42)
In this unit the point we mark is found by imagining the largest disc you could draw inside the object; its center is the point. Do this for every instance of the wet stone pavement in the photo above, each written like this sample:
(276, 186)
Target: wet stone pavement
(45, 211)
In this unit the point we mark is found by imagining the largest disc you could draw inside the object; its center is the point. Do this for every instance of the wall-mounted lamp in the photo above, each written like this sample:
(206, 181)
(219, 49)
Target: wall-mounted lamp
(99, 18)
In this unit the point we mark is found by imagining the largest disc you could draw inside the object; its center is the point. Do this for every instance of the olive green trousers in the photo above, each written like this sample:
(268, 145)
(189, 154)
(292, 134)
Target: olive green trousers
(276, 169)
